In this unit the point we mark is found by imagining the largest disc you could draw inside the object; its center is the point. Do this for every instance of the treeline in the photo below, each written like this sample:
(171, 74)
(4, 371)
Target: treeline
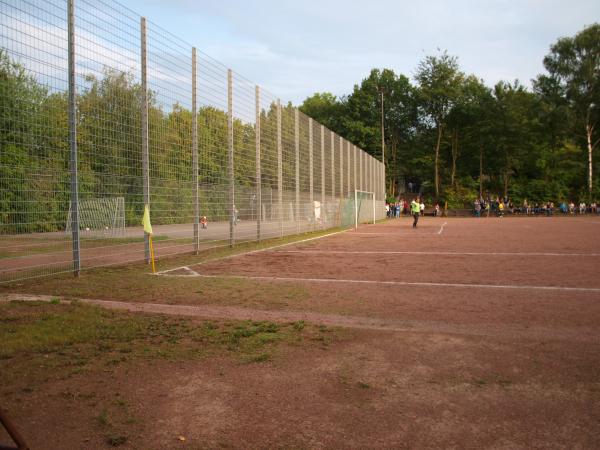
(34, 152)
(458, 139)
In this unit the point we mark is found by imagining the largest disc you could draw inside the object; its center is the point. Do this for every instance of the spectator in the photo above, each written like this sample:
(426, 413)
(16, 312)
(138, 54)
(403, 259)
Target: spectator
(422, 208)
(204, 222)
(564, 208)
(582, 208)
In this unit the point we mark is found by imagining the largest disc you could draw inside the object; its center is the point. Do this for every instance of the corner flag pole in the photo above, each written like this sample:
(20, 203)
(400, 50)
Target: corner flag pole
(148, 230)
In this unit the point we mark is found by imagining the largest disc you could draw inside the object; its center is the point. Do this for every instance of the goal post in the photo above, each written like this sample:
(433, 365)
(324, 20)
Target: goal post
(364, 207)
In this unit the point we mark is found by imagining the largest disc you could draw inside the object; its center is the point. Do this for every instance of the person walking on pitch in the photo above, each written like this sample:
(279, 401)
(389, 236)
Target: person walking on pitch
(415, 208)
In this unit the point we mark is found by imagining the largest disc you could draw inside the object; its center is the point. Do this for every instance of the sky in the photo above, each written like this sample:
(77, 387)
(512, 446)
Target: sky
(296, 48)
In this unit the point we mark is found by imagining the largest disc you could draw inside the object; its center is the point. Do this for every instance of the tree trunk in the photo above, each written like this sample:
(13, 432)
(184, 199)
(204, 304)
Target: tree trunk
(437, 159)
(589, 129)
(506, 182)
(454, 156)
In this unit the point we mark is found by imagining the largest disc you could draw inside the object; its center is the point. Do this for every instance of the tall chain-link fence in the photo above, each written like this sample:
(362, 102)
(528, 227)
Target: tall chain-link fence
(103, 112)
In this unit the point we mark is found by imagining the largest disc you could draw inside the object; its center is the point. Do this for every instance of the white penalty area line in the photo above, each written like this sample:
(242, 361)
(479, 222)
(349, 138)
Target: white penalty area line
(403, 283)
(163, 272)
(367, 252)
(442, 228)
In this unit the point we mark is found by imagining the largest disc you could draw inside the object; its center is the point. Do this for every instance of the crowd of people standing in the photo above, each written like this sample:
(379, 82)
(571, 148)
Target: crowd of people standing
(403, 207)
(500, 206)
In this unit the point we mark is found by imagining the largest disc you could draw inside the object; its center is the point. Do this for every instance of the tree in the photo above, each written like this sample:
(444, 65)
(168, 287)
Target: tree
(325, 108)
(575, 63)
(466, 122)
(439, 81)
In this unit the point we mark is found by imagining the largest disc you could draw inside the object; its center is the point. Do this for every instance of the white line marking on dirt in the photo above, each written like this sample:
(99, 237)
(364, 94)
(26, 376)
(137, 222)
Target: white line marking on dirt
(442, 228)
(404, 283)
(403, 231)
(193, 272)
(162, 272)
(367, 252)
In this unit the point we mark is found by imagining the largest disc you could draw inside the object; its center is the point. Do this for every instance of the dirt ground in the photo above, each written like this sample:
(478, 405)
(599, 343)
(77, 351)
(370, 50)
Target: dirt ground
(463, 333)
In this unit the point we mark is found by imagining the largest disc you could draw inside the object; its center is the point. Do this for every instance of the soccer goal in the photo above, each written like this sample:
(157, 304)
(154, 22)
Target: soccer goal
(364, 207)
(100, 217)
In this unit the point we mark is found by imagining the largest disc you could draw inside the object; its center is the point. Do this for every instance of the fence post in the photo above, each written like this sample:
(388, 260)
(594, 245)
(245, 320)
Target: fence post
(195, 157)
(341, 167)
(384, 190)
(360, 168)
(372, 174)
(297, 144)
(230, 173)
(279, 169)
(332, 164)
(145, 151)
(258, 203)
(73, 141)
(348, 165)
(310, 164)
(354, 165)
(374, 170)
(322, 172)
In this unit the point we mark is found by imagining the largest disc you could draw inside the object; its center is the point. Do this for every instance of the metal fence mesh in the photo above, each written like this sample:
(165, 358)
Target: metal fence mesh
(154, 122)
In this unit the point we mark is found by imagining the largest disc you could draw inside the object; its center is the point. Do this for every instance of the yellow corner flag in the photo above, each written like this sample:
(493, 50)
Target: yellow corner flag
(148, 230)
(146, 220)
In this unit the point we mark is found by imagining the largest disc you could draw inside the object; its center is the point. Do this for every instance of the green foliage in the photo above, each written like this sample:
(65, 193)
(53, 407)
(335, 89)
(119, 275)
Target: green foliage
(500, 141)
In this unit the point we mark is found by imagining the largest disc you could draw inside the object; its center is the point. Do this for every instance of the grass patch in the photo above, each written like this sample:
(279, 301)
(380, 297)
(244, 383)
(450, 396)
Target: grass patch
(45, 341)
(117, 440)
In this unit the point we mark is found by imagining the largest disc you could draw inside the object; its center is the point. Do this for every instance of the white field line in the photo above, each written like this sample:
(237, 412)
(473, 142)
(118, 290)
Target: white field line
(402, 283)
(248, 253)
(442, 228)
(404, 232)
(367, 252)
(192, 272)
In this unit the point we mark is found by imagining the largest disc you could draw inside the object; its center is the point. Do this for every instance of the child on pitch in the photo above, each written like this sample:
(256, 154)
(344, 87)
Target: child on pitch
(204, 222)
(415, 208)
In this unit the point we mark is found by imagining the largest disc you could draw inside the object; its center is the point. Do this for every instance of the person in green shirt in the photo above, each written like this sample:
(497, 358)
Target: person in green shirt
(415, 209)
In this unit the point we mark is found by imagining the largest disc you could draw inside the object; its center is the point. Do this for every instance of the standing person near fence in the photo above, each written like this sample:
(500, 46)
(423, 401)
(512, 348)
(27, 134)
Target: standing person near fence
(415, 208)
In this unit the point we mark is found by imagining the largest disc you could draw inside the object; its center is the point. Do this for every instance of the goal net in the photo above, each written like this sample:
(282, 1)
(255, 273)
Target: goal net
(364, 207)
(100, 217)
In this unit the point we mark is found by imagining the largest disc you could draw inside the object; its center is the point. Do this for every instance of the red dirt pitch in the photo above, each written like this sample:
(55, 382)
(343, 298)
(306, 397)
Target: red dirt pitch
(499, 324)
(462, 333)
